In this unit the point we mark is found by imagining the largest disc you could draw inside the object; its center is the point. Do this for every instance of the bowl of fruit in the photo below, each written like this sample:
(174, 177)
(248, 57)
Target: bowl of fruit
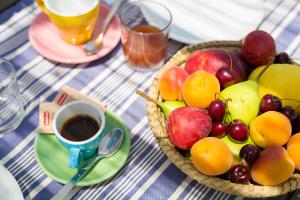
(226, 114)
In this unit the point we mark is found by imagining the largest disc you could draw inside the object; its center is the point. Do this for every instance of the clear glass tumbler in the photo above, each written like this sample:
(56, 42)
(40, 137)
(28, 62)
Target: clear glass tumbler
(11, 108)
(145, 30)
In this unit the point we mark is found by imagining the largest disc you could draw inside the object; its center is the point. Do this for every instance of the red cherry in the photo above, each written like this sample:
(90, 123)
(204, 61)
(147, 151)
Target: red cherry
(218, 129)
(239, 174)
(226, 77)
(270, 103)
(216, 109)
(238, 131)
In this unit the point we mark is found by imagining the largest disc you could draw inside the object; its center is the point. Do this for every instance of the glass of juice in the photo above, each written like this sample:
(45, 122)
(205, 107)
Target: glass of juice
(145, 30)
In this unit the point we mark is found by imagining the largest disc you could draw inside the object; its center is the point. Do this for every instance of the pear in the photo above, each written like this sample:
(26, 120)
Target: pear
(234, 147)
(167, 106)
(243, 99)
(281, 80)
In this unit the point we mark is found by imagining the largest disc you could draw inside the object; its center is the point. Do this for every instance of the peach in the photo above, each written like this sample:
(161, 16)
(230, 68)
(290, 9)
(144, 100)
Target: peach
(200, 89)
(273, 167)
(293, 148)
(170, 83)
(187, 125)
(271, 128)
(211, 156)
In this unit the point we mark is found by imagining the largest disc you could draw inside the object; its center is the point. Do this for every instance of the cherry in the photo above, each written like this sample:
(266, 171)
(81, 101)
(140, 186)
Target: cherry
(283, 58)
(297, 125)
(226, 77)
(270, 102)
(218, 129)
(238, 131)
(239, 174)
(216, 109)
(249, 153)
(290, 113)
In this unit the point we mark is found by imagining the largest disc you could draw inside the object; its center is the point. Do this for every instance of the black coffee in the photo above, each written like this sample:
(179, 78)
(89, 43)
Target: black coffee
(80, 128)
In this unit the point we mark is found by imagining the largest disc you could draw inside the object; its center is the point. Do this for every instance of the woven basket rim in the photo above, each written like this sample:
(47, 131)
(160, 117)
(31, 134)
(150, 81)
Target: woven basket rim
(157, 124)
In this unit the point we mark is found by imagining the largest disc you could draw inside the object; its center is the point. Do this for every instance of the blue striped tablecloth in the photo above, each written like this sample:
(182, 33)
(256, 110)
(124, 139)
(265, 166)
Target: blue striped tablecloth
(148, 173)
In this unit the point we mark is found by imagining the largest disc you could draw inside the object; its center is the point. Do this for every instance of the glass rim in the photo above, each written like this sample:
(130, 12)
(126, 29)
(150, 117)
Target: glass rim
(128, 4)
(10, 75)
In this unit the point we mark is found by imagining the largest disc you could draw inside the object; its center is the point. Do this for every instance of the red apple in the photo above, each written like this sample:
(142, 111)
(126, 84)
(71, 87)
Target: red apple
(187, 125)
(258, 48)
(211, 60)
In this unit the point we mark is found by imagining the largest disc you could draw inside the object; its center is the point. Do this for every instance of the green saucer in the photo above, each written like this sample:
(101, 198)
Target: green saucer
(52, 157)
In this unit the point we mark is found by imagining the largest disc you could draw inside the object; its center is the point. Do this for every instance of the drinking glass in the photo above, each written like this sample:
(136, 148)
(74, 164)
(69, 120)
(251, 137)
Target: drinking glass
(12, 111)
(145, 29)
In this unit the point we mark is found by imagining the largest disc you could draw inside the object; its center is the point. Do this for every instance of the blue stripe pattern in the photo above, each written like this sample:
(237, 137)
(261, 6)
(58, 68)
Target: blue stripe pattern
(148, 174)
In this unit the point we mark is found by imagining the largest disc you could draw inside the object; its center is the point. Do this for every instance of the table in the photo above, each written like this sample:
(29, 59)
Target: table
(148, 174)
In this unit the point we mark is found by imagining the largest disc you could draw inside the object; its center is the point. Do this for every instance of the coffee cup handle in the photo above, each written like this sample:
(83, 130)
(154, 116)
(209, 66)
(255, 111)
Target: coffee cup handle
(75, 157)
(42, 6)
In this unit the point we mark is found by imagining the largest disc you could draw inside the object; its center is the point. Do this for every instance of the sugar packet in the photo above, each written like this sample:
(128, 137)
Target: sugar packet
(65, 95)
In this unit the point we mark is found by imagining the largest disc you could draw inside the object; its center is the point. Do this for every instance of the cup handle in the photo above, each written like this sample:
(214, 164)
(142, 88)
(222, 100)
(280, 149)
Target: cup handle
(42, 6)
(75, 157)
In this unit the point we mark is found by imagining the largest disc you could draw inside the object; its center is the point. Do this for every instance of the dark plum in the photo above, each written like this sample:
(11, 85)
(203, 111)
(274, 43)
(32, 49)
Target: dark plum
(258, 48)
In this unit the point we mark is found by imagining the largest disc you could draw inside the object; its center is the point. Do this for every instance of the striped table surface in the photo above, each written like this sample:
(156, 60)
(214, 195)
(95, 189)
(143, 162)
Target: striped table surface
(148, 174)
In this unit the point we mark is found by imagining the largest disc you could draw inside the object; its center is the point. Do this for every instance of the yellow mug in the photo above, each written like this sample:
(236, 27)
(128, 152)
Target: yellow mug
(75, 19)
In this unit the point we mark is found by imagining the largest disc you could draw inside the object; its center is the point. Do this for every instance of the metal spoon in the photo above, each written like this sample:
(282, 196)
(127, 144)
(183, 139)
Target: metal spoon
(93, 46)
(109, 145)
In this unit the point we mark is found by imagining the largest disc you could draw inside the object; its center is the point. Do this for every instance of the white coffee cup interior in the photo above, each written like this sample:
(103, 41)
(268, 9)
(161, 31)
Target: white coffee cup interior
(70, 8)
(74, 109)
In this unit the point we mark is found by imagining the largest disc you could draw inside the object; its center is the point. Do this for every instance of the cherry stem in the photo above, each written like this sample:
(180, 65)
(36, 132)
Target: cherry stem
(228, 53)
(227, 117)
(290, 100)
(271, 61)
(245, 163)
(139, 92)
(217, 95)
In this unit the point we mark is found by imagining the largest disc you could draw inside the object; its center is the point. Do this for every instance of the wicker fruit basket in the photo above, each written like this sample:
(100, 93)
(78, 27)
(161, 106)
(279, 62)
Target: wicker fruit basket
(158, 126)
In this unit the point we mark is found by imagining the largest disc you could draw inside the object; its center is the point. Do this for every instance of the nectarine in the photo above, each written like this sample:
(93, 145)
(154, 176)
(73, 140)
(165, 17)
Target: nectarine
(273, 167)
(187, 125)
(211, 60)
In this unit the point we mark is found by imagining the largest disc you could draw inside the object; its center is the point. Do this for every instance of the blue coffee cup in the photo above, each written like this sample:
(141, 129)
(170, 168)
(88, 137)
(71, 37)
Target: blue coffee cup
(82, 149)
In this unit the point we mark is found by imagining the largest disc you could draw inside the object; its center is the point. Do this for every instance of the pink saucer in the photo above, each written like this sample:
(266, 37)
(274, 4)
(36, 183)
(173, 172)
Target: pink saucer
(45, 38)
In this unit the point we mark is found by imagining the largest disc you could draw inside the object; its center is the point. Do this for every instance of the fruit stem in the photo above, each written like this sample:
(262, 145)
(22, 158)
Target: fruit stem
(228, 53)
(271, 61)
(290, 100)
(228, 117)
(142, 94)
